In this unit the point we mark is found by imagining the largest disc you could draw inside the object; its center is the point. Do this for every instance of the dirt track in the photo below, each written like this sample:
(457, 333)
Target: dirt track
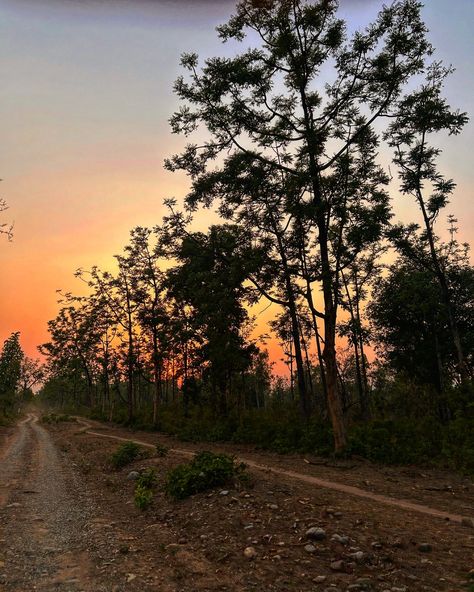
(44, 517)
(68, 523)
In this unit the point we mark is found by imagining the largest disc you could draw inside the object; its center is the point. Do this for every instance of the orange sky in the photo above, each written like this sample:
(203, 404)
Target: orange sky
(86, 94)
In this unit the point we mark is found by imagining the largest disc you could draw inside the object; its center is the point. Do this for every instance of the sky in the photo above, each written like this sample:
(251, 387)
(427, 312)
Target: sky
(85, 98)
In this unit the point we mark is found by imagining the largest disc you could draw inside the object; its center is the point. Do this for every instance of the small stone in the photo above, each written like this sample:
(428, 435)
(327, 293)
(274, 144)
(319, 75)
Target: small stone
(131, 577)
(133, 476)
(182, 541)
(468, 522)
(315, 533)
(224, 492)
(277, 557)
(337, 565)
(250, 553)
(400, 589)
(341, 539)
(376, 545)
(273, 507)
(357, 556)
(310, 549)
(319, 579)
(425, 548)
(354, 587)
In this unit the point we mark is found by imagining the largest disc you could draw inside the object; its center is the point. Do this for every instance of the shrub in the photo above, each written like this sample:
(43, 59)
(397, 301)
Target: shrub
(147, 479)
(206, 471)
(143, 497)
(161, 450)
(144, 489)
(125, 454)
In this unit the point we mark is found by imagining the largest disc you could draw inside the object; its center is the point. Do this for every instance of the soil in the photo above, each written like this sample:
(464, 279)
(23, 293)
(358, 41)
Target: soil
(69, 522)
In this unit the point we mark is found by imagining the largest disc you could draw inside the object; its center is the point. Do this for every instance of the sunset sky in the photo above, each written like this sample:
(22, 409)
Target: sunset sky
(86, 93)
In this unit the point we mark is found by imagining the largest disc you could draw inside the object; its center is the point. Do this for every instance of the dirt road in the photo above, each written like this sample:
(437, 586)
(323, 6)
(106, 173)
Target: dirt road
(68, 523)
(44, 517)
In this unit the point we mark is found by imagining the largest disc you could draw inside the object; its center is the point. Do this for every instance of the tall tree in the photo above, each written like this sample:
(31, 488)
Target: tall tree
(421, 114)
(266, 108)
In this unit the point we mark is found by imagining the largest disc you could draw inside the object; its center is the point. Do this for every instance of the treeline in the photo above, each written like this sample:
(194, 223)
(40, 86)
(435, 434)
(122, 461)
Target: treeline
(288, 136)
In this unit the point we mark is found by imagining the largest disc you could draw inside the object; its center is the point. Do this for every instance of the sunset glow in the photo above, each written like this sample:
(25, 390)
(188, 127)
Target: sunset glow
(86, 95)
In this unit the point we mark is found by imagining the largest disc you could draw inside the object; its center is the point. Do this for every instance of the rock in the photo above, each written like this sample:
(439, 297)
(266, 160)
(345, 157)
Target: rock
(250, 553)
(133, 476)
(277, 557)
(376, 545)
(357, 556)
(319, 579)
(353, 587)
(182, 541)
(224, 492)
(468, 522)
(337, 565)
(315, 533)
(401, 589)
(425, 548)
(130, 577)
(310, 549)
(341, 539)
(273, 507)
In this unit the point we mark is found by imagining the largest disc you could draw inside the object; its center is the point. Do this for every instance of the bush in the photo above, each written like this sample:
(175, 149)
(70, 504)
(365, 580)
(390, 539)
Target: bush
(161, 450)
(144, 489)
(125, 454)
(147, 479)
(206, 471)
(143, 497)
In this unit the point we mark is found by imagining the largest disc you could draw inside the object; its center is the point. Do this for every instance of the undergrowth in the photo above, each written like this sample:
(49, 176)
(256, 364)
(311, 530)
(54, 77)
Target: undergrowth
(206, 471)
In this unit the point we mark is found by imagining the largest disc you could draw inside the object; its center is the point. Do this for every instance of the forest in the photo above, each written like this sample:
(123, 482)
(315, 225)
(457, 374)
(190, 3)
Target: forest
(314, 156)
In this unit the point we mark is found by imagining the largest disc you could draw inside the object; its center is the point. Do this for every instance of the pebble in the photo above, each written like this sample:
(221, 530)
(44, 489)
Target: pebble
(468, 522)
(337, 565)
(310, 549)
(133, 476)
(342, 539)
(315, 533)
(425, 548)
(358, 555)
(319, 579)
(273, 507)
(224, 492)
(250, 553)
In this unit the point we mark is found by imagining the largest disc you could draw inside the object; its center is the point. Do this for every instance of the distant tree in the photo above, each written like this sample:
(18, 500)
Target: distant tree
(11, 358)
(411, 323)
(209, 278)
(31, 373)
